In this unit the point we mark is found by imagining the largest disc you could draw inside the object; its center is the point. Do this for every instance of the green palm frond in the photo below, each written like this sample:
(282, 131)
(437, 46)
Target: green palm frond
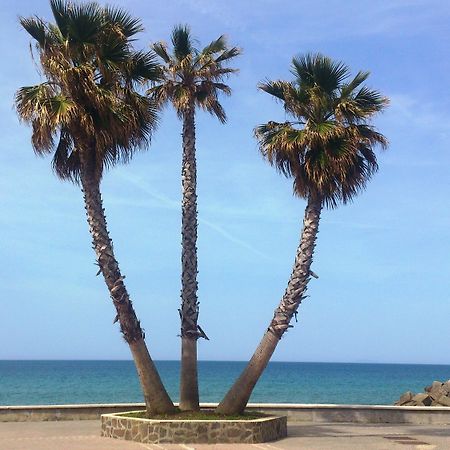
(84, 21)
(218, 45)
(318, 70)
(348, 88)
(143, 67)
(182, 42)
(228, 54)
(357, 106)
(370, 100)
(118, 18)
(37, 29)
(111, 54)
(275, 88)
(60, 10)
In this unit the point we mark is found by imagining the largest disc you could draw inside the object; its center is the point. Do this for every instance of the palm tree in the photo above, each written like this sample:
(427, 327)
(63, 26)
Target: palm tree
(192, 79)
(90, 116)
(328, 149)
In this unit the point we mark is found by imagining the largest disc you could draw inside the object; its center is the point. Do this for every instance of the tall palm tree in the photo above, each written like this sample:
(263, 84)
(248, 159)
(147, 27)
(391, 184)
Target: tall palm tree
(89, 114)
(328, 149)
(192, 79)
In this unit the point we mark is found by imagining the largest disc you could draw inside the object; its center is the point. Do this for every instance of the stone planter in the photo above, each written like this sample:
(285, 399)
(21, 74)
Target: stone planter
(152, 431)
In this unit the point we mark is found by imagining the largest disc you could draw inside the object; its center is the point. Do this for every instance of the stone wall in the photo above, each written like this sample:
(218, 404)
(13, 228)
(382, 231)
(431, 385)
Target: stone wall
(194, 431)
(417, 415)
(41, 413)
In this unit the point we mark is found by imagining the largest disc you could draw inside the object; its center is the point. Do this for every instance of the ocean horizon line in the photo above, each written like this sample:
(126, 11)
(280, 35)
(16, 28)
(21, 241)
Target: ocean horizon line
(225, 361)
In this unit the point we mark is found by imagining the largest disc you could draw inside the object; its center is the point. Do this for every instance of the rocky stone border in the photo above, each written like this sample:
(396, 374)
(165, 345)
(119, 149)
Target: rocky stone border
(438, 394)
(151, 431)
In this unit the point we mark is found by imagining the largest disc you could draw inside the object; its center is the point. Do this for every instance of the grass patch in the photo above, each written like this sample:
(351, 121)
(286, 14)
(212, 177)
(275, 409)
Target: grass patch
(205, 414)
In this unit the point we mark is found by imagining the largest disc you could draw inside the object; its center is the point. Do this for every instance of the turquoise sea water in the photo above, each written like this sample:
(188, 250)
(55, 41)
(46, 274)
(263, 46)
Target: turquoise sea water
(60, 382)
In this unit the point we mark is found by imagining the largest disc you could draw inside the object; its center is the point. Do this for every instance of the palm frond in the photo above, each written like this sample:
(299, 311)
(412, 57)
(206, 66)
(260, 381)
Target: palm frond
(31, 100)
(219, 45)
(111, 53)
(60, 10)
(160, 49)
(65, 162)
(282, 145)
(128, 25)
(320, 70)
(36, 28)
(370, 100)
(274, 88)
(222, 88)
(143, 67)
(226, 55)
(348, 88)
(182, 42)
(84, 21)
(216, 109)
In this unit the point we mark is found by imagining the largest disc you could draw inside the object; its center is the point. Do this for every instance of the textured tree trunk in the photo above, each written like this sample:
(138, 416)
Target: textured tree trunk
(190, 332)
(237, 397)
(156, 398)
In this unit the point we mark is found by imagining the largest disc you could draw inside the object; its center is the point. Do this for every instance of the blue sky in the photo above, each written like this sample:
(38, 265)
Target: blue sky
(383, 262)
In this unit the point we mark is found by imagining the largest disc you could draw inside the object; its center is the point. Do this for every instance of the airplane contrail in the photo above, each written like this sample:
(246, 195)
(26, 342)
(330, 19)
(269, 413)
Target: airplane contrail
(175, 205)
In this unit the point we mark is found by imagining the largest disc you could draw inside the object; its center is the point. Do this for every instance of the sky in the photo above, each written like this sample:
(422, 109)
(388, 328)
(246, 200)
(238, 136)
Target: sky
(383, 262)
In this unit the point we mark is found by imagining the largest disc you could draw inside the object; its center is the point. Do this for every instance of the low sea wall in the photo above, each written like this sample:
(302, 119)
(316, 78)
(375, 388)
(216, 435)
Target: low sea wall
(426, 415)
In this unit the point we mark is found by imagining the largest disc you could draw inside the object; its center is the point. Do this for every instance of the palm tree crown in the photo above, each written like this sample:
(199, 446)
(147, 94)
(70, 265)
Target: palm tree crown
(88, 111)
(329, 148)
(192, 77)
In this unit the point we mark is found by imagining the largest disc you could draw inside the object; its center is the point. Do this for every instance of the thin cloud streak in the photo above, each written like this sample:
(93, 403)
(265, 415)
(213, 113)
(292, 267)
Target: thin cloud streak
(168, 203)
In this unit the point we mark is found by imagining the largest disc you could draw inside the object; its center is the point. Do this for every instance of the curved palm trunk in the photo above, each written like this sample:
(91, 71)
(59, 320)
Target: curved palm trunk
(237, 397)
(156, 398)
(190, 332)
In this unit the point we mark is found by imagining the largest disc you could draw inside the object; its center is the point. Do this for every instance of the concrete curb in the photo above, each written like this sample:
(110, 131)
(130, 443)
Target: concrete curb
(417, 415)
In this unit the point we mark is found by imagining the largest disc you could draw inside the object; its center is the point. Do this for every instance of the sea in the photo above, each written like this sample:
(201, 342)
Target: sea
(64, 382)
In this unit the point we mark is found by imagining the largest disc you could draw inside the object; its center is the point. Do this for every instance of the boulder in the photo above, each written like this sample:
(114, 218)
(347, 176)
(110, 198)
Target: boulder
(436, 394)
(406, 397)
(444, 401)
(422, 399)
(436, 385)
(446, 387)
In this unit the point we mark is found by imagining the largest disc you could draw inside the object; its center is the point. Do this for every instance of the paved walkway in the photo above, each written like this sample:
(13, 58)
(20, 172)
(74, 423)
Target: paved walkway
(84, 435)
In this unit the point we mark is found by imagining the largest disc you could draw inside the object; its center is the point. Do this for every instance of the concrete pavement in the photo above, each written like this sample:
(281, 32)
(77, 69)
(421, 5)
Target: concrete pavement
(85, 435)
